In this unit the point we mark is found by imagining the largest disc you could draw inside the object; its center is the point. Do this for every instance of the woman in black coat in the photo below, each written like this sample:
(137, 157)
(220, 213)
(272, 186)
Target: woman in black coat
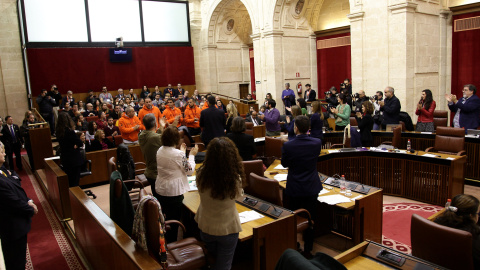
(365, 123)
(244, 142)
(70, 156)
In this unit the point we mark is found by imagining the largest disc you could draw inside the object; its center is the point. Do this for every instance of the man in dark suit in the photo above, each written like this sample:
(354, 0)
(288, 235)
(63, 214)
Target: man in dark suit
(68, 99)
(212, 120)
(16, 210)
(303, 184)
(310, 95)
(466, 109)
(390, 107)
(253, 117)
(13, 142)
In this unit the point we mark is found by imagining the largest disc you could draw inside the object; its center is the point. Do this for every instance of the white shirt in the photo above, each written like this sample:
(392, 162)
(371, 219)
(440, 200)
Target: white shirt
(173, 168)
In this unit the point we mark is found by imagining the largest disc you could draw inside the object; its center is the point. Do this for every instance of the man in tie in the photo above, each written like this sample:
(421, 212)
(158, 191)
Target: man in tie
(466, 109)
(254, 119)
(310, 95)
(180, 103)
(13, 142)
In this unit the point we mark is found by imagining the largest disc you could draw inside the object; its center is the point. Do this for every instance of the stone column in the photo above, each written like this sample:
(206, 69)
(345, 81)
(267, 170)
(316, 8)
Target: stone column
(313, 64)
(356, 41)
(210, 69)
(273, 77)
(445, 75)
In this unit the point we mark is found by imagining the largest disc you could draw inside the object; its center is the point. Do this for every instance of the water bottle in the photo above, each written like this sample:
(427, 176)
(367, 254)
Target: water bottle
(449, 201)
(409, 145)
(342, 184)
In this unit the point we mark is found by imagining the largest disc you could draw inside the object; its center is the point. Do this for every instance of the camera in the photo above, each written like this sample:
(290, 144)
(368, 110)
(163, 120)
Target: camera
(55, 88)
(328, 92)
(356, 95)
(374, 97)
(342, 85)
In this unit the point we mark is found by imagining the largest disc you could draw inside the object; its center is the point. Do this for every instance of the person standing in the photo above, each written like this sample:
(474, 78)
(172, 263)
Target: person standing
(310, 95)
(341, 113)
(13, 141)
(171, 182)
(129, 126)
(192, 117)
(244, 142)
(466, 109)
(24, 130)
(391, 107)
(16, 211)
(212, 120)
(58, 99)
(300, 156)
(288, 97)
(45, 104)
(219, 182)
(316, 120)
(271, 117)
(71, 157)
(425, 109)
(365, 123)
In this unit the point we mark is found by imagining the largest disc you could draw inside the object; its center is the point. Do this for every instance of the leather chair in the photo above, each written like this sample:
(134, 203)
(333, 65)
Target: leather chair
(185, 139)
(249, 128)
(183, 254)
(449, 140)
(445, 246)
(273, 147)
(440, 118)
(139, 176)
(255, 166)
(353, 121)
(331, 123)
(91, 118)
(397, 138)
(269, 190)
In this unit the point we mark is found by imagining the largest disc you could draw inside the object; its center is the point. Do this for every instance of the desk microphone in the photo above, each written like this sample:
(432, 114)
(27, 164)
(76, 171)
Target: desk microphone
(412, 151)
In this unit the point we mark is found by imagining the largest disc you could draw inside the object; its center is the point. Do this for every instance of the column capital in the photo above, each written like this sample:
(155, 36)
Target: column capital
(355, 17)
(445, 13)
(209, 47)
(273, 33)
(256, 36)
(403, 8)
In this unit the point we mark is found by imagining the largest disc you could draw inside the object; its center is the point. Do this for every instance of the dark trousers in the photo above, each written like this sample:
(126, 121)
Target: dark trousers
(73, 173)
(152, 185)
(28, 147)
(15, 148)
(194, 131)
(339, 128)
(310, 204)
(172, 207)
(222, 247)
(15, 253)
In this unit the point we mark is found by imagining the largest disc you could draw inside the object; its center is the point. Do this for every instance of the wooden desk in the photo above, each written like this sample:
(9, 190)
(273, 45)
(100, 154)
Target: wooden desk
(426, 179)
(421, 142)
(358, 220)
(364, 257)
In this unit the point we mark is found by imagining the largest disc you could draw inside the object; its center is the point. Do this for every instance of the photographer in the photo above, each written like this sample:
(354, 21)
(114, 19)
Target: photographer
(45, 104)
(378, 114)
(347, 86)
(331, 96)
(359, 99)
(348, 97)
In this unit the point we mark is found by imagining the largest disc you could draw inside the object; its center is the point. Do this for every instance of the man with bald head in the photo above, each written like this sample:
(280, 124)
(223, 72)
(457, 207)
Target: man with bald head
(360, 99)
(390, 107)
(130, 126)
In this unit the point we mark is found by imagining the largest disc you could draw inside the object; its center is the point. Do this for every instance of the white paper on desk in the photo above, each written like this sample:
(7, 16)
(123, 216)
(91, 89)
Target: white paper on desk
(192, 183)
(450, 158)
(424, 132)
(280, 167)
(333, 151)
(402, 151)
(259, 139)
(323, 191)
(429, 155)
(249, 216)
(333, 199)
(280, 177)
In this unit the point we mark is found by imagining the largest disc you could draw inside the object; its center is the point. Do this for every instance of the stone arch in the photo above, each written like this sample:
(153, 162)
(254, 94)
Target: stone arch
(222, 12)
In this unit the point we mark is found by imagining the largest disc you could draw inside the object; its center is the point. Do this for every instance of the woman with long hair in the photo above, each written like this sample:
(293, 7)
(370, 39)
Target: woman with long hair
(244, 142)
(463, 214)
(425, 108)
(365, 123)
(173, 166)
(100, 142)
(341, 113)
(105, 108)
(303, 105)
(219, 182)
(70, 156)
(231, 113)
(290, 125)
(316, 120)
(91, 129)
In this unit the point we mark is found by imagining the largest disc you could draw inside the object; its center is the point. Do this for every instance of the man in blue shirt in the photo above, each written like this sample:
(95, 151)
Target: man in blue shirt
(466, 109)
(303, 183)
(288, 97)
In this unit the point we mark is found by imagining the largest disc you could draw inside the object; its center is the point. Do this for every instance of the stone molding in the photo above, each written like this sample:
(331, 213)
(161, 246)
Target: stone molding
(273, 33)
(445, 13)
(355, 17)
(403, 8)
(255, 36)
(209, 47)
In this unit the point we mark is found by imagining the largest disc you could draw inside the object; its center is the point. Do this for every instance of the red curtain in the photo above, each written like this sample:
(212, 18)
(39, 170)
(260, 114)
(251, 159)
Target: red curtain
(252, 74)
(333, 65)
(465, 57)
(81, 69)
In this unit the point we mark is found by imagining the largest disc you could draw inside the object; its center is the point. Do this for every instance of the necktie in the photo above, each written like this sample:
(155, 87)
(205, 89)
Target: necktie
(13, 134)
(4, 173)
(254, 122)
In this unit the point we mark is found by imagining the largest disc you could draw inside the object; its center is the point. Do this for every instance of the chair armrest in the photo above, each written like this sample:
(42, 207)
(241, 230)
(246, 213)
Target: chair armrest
(303, 212)
(172, 221)
(430, 149)
(136, 184)
(462, 153)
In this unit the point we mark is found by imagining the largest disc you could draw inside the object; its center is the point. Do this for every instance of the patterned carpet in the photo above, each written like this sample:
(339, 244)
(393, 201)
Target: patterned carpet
(48, 246)
(396, 223)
